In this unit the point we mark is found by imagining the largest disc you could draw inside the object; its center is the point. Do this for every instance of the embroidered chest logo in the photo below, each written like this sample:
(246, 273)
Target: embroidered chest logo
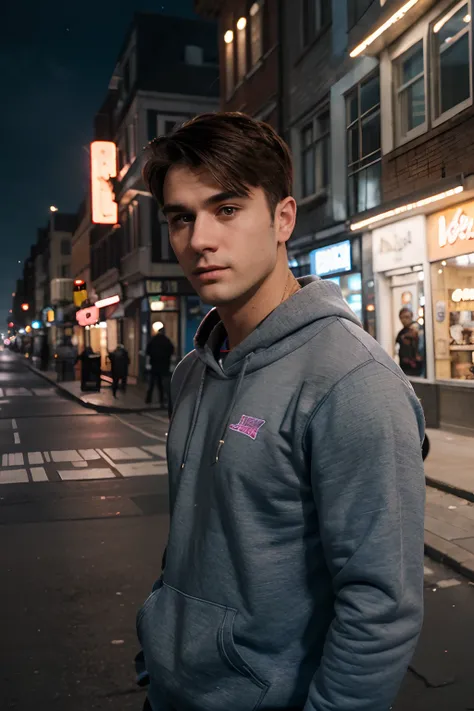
(248, 426)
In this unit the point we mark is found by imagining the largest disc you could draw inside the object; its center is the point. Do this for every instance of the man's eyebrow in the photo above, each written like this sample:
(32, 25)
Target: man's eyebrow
(213, 200)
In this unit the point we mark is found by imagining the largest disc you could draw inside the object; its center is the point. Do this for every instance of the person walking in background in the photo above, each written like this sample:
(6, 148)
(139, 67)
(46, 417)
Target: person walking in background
(159, 353)
(119, 362)
(410, 344)
(293, 576)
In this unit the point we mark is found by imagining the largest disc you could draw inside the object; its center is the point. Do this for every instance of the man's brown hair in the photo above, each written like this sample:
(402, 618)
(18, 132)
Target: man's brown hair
(237, 150)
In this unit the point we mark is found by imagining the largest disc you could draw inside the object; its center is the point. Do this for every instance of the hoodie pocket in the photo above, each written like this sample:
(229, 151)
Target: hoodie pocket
(191, 654)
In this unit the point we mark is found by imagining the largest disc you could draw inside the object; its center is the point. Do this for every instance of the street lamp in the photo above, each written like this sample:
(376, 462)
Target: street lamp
(25, 307)
(53, 208)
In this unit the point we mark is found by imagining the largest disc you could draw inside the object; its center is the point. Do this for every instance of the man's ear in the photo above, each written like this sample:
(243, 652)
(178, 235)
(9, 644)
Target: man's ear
(285, 219)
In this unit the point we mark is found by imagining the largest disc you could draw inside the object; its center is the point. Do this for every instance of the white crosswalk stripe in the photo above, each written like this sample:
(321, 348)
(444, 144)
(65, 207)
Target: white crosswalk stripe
(83, 464)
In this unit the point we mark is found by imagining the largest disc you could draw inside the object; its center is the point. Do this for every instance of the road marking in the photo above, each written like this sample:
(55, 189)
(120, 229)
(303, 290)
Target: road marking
(78, 474)
(47, 458)
(35, 458)
(428, 571)
(68, 455)
(451, 583)
(14, 476)
(15, 460)
(142, 469)
(137, 429)
(17, 392)
(157, 418)
(38, 474)
(157, 449)
(80, 465)
(1, 392)
(4, 402)
(41, 392)
(17, 438)
(89, 454)
(5, 460)
(125, 453)
(14, 425)
(107, 459)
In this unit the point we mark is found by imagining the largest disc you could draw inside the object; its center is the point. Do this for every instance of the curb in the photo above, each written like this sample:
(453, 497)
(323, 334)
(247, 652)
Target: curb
(435, 554)
(449, 489)
(104, 409)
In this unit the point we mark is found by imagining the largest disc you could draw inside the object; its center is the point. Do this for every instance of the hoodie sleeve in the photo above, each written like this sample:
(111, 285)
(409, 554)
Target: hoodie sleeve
(364, 443)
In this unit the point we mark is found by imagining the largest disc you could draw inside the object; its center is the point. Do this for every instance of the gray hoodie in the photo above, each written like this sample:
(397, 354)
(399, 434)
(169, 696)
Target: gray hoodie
(294, 571)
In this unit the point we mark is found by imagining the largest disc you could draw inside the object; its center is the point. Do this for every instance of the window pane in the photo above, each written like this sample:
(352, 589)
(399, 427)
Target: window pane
(371, 134)
(374, 176)
(413, 106)
(307, 136)
(322, 164)
(369, 94)
(353, 145)
(454, 74)
(256, 32)
(361, 178)
(352, 194)
(309, 187)
(352, 107)
(323, 124)
(454, 25)
(412, 65)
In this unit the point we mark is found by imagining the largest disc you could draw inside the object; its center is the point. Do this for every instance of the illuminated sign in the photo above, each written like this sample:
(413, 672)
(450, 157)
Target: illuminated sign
(463, 295)
(88, 317)
(461, 227)
(334, 259)
(80, 292)
(103, 167)
(108, 302)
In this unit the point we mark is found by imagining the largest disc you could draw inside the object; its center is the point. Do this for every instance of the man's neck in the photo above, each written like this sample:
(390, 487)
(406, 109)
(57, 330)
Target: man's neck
(241, 319)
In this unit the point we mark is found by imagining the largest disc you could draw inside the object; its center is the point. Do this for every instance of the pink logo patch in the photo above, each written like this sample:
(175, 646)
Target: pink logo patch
(248, 426)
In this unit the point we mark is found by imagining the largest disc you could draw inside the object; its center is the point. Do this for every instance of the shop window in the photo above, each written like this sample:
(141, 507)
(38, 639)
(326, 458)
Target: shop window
(315, 155)
(363, 146)
(451, 37)
(410, 77)
(453, 308)
(316, 16)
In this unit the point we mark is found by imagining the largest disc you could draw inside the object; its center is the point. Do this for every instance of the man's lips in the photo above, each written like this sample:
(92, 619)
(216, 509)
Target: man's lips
(207, 270)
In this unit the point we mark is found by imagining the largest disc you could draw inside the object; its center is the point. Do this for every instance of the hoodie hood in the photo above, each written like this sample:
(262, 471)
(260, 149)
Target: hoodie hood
(288, 327)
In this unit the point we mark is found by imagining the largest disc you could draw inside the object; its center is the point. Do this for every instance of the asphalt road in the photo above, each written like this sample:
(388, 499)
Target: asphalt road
(79, 555)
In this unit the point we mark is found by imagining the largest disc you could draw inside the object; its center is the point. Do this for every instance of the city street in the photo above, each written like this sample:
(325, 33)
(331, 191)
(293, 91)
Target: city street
(83, 523)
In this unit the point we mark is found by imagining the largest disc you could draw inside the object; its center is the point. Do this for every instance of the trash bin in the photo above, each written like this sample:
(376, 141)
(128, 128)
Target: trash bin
(90, 373)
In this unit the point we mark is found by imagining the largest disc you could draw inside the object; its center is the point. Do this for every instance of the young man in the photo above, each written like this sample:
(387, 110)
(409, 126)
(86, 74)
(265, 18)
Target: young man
(294, 569)
(409, 344)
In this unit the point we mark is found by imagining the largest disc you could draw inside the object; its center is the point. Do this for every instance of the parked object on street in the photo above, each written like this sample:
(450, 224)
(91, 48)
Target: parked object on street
(159, 353)
(294, 569)
(90, 370)
(66, 358)
(119, 360)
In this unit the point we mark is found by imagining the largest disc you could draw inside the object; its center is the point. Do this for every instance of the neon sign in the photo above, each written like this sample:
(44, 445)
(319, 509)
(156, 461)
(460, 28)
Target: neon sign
(462, 295)
(103, 168)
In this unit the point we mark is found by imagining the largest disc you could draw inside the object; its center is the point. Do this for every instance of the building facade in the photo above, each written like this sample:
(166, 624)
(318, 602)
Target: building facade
(422, 230)
(167, 72)
(250, 56)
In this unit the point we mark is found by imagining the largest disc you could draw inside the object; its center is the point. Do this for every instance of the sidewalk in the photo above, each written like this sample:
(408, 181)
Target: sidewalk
(132, 401)
(449, 522)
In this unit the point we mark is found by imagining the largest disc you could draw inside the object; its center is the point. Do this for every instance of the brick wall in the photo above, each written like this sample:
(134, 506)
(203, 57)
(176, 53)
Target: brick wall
(444, 152)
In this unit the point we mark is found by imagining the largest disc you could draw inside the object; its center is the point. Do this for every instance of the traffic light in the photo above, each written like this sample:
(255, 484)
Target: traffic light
(80, 292)
(25, 307)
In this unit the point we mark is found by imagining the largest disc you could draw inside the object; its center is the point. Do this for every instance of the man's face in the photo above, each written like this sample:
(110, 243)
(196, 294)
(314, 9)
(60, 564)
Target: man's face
(406, 317)
(226, 245)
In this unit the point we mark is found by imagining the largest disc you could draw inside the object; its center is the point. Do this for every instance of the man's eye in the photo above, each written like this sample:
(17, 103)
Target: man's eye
(182, 219)
(228, 211)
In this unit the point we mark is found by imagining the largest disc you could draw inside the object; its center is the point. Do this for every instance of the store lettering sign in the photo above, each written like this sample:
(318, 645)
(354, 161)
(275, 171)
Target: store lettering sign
(462, 295)
(461, 227)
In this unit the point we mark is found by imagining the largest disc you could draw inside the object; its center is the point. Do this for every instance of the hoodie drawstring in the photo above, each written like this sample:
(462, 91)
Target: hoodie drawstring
(194, 418)
(232, 404)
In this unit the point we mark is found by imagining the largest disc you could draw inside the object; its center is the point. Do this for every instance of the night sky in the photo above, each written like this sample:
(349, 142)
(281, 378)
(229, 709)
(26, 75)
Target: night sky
(56, 59)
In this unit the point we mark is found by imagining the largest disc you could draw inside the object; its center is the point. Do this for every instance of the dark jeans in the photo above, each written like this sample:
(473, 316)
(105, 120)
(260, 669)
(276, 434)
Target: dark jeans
(116, 383)
(161, 380)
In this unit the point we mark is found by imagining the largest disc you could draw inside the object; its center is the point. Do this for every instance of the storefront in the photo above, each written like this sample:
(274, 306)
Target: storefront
(347, 264)
(451, 257)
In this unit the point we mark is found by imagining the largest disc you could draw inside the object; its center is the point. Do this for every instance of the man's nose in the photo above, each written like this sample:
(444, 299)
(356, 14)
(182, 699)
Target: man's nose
(204, 234)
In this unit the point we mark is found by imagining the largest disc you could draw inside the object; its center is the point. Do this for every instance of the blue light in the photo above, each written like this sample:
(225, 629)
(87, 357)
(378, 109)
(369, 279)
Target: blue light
(36, 325)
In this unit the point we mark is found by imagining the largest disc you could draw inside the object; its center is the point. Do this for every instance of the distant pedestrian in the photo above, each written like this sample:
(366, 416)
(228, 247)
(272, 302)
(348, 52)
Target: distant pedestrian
(119, 360)
(159, 353)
